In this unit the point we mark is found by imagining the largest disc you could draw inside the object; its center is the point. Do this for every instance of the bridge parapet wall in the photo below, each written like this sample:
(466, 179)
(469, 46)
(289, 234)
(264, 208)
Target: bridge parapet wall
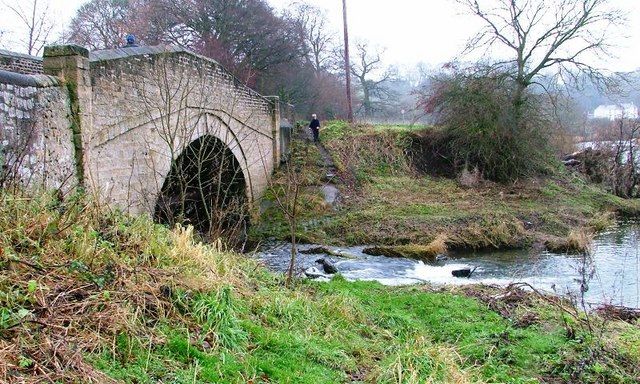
(115, 121)
(19, 63)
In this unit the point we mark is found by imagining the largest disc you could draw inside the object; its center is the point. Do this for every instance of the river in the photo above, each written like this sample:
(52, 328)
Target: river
(612, 271)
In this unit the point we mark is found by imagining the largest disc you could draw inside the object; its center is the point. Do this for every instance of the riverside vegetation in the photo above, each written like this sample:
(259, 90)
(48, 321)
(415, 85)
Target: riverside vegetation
(90, 295)
(397, 191)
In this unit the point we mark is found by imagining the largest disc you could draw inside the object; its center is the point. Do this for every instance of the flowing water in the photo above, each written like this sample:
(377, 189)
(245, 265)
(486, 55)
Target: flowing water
(612, 272)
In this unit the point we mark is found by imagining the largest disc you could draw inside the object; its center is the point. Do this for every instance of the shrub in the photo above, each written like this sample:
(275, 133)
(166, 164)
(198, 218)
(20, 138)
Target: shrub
(486, 128)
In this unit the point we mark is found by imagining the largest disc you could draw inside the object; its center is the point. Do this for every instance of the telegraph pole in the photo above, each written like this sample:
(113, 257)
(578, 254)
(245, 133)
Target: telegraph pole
(347, 66)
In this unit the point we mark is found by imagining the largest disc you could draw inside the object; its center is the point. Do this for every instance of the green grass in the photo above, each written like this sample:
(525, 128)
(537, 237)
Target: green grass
(332, 332)
(125, 299)
(386, 202)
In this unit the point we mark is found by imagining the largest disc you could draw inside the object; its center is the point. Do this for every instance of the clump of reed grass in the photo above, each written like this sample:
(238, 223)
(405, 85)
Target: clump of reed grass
(421, 361)
(602, 221)
(489, 234)
(578, 241)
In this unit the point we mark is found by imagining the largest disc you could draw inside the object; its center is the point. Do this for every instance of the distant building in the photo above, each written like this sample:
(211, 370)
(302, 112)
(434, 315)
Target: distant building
(615, 111)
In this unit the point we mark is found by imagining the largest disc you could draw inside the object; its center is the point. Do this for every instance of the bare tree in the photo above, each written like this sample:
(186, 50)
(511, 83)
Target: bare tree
(624, 174)
(368, 62)
(286, 191)
(318, 38)
(103, 24)
(35, 18)
(543, 36)
(243, 35)
(100, 24)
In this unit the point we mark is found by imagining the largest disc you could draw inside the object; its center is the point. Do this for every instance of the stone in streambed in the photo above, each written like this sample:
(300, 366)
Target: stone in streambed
(327, 265)
(316, 274)
(440, 257)
(316, 251)
(321, 250)
(463, 272)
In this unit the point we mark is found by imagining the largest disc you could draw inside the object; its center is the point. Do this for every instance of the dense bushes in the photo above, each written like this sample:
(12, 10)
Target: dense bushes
(486, 128)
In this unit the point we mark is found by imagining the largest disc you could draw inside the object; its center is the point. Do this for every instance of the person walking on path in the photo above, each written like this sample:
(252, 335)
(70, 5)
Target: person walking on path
(315, 128)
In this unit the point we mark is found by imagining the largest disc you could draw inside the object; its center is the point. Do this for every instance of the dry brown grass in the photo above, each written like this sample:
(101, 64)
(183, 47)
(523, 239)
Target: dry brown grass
(73, 278)
(578, 241)
(412, 364)
(489, 234)
(438, 245)
(602, 221)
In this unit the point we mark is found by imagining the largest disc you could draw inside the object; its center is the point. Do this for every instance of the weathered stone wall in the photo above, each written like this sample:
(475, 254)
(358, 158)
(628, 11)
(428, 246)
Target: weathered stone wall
(150, 103)
(115, 120)
(36, 147)
(19, 63)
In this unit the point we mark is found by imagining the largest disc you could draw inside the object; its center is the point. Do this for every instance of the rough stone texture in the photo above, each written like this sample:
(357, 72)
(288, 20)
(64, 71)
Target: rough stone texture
(149, 103)
(19, 63)
(73, 69)
(65, 50)
(117, 119)
(35, 140)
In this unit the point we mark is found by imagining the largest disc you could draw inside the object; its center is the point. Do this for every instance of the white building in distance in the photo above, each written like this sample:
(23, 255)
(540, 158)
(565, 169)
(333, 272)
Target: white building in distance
(615, 111)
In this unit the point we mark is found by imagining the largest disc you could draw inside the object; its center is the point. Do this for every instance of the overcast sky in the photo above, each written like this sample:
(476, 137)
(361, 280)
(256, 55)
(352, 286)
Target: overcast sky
(411, 31)
(435, 31)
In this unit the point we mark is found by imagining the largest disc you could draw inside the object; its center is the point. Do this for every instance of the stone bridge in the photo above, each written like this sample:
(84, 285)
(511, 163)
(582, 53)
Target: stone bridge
(155, 130)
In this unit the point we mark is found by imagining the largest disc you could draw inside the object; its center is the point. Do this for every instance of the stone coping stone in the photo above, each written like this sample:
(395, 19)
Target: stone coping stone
(39, 81)
(121, 53)
(65, 50)
(5, 53)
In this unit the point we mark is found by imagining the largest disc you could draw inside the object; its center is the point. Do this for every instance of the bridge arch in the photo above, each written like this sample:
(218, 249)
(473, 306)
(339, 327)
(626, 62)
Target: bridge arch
(124, 117)
(206, 188)
(208, 183)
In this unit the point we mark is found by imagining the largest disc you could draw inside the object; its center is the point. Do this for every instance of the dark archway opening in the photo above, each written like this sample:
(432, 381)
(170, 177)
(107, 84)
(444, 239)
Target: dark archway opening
(206, 188)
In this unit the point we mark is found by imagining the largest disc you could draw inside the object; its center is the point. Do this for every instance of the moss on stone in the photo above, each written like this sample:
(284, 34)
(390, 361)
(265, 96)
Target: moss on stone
(76, 129)
(411, 251)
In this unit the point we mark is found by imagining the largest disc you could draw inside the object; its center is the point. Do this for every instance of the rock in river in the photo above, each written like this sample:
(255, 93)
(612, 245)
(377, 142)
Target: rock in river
(327, 265)
(410, 251)
(314, 273)
(463, 272)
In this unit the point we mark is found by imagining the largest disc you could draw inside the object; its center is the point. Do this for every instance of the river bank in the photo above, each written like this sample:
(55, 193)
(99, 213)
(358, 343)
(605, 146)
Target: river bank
(392, 193)
(99, 297)
(88, 295)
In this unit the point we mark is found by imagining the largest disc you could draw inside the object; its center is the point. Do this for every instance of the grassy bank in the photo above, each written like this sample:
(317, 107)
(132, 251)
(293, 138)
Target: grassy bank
(94, 296)
(392, 194)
